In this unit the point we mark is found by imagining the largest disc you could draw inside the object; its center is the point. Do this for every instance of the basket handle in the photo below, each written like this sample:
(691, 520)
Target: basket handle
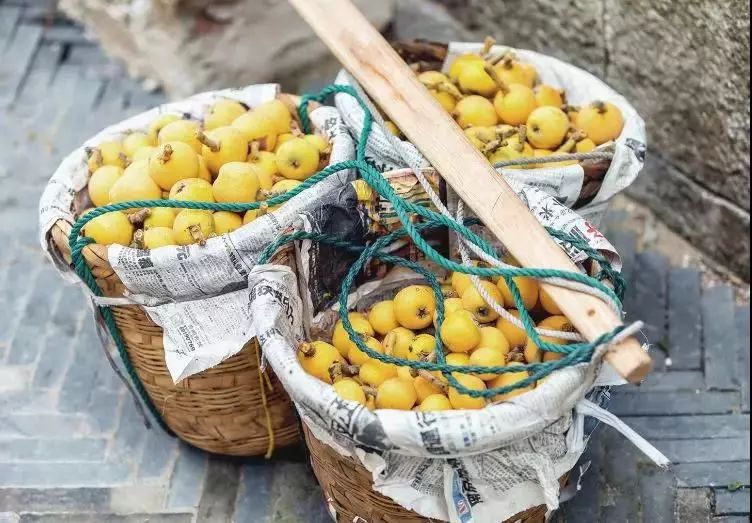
(391, 83)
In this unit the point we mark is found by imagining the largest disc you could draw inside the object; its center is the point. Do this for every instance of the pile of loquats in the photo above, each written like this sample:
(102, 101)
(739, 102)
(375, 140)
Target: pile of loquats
(233, 155)
(472, 333)
(507, 113)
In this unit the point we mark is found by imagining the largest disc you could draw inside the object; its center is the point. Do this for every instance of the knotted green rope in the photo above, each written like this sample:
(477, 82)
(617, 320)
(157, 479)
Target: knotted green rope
(574, 353)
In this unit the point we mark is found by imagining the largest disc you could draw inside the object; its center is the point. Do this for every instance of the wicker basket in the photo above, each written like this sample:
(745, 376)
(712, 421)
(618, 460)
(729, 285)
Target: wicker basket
(424, 55)
(347, 487)
(219, 410)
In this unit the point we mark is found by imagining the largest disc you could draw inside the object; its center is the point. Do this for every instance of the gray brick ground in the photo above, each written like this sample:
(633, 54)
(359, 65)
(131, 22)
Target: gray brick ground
(693, 505)
(650, 299)
(73, 449)
(719, 338)
(712, 474)
(732, 503)
(743, 366)
(684, 319)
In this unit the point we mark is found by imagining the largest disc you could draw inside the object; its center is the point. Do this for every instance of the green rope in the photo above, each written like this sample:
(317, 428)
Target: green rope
(573, 353)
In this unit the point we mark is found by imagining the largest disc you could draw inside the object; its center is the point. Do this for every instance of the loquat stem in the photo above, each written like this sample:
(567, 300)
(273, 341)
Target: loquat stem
(138, 239)
(211, 144)
(490, 71)
(522, 133)
(600, 106)
(488, 43)
(450, 89)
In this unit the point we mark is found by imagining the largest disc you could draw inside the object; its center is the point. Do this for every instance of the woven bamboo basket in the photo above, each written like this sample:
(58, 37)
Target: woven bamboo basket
(423, 55)
(222, 409)
(219, 410)
(347, 487)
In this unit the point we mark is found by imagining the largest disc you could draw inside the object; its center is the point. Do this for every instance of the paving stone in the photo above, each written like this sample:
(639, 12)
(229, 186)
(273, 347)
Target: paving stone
(221, 487)
(55, 358)
(586, 503)
(137, 498)
(15, 291)
(108, 518)
(674, 403)
(699, 450)
(79, 380)
(127, 445)
(64, 474)
(295, 495)
(16, 59)
(719, 337)
(684, 319)
(657, 487)
(689, 427)
(158, 455)
(650, 286)
(104, 407)
(253, 492)
(673, 380)
(55, 499)
(742, 333)
(188, 478)
(712, 474)
(731, 519)
(693, 505)
(26, 343)
(39, 425)
(51, 450)
(15, 377)
(621, 496)
(9, 16)
(21, 402)
(730, 503)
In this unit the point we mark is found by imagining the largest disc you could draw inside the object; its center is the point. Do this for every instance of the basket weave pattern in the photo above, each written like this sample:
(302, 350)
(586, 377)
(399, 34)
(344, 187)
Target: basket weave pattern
(219, 410)
(347, 487)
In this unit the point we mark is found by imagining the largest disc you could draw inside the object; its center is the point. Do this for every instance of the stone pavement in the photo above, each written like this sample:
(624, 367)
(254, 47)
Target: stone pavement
(72, 448)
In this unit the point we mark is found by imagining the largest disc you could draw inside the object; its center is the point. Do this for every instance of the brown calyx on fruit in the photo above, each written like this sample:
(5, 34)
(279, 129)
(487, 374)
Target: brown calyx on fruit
(307, 349)
(600, 106)
(197, 234)
(166, 153)
(138, 217)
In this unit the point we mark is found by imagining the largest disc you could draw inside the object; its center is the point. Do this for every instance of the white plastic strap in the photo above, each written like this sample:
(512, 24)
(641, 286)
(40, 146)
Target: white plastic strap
(587, 408)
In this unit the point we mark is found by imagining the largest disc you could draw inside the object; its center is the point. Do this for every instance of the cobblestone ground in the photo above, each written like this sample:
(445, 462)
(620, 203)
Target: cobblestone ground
(73, 449)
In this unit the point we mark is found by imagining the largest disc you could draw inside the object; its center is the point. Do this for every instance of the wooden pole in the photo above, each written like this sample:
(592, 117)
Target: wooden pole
(395, 88)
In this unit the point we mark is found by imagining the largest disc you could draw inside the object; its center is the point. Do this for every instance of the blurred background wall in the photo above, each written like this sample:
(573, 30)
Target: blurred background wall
(683, 64)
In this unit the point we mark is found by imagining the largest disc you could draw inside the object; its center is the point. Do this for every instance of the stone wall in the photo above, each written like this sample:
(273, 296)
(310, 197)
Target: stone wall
(685, 67)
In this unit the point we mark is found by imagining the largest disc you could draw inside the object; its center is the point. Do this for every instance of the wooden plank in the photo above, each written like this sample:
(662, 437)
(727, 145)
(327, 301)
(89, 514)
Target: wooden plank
(383, 74)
